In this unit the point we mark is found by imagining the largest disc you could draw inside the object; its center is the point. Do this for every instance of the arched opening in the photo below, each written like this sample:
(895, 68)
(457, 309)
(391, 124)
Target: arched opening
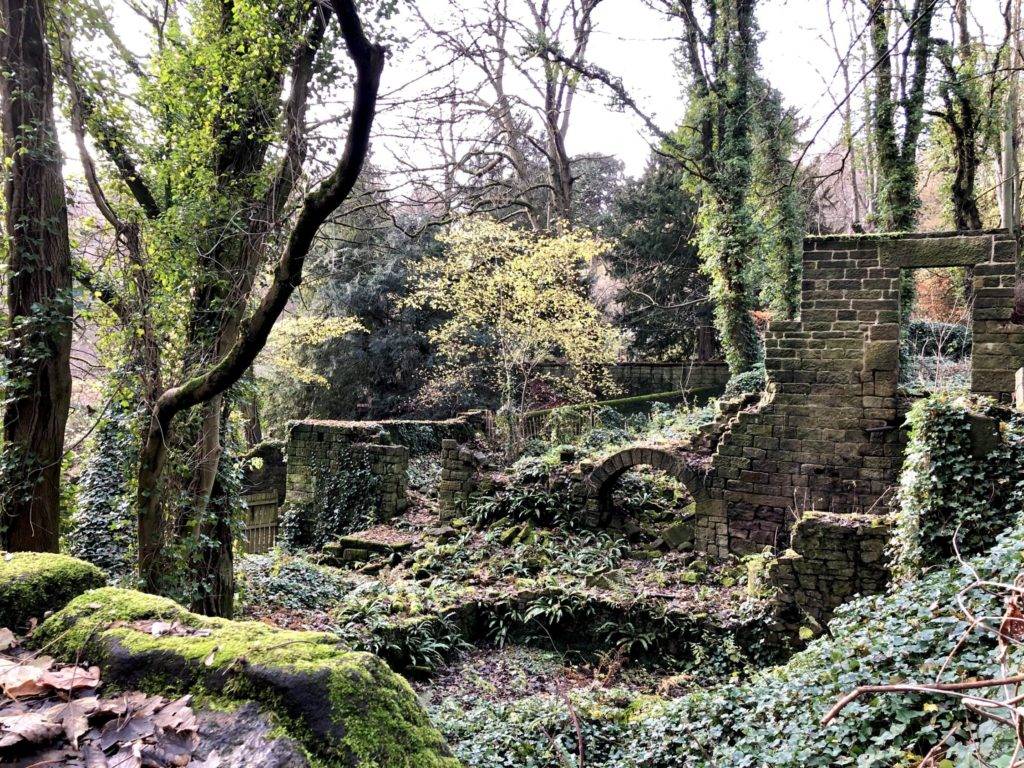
(643, 479)
(644, 497)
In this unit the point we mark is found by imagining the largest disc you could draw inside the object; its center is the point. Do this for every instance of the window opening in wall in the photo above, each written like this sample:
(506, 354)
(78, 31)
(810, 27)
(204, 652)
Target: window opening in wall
(936, 340)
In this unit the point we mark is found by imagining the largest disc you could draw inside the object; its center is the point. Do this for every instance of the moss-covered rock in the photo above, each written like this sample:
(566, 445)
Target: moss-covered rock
(347, 709)
(32, 583)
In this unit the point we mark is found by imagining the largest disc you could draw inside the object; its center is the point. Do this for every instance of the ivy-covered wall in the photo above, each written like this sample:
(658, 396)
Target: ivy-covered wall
(962, 482)
(342, 477)
(828, 437)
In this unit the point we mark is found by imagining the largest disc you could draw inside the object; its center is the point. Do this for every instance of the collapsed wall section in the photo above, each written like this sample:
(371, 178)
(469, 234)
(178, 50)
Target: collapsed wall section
(826, 436)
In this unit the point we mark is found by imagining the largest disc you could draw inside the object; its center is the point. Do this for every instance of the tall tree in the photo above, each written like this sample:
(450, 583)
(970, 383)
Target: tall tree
(723, 130)
(502, 122)
(37, 346)
(971, 87)
(215, 187)
(721, 59)
(899, 34)
(663, 296)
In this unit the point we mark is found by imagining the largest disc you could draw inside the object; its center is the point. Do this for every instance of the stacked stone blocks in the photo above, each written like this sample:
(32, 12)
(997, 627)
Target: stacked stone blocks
(833, 557)
(316, 449)
(827, 438)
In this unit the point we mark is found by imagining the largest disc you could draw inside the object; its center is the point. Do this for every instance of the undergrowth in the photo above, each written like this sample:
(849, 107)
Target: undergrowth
(773, 718)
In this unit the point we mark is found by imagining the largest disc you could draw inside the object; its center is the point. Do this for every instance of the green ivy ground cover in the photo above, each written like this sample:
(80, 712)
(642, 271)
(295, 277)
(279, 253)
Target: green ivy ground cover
(773, 718)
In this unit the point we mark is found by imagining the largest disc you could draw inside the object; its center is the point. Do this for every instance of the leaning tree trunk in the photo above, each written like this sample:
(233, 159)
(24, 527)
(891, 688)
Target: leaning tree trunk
(38, 345)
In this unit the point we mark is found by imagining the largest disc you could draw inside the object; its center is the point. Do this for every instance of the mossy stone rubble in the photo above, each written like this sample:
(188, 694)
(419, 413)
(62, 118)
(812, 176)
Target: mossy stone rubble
(32, 583)
(346, 708)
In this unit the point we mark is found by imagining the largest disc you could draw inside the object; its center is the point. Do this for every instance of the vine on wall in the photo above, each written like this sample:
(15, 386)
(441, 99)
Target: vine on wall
(951, 490)
(345, 497)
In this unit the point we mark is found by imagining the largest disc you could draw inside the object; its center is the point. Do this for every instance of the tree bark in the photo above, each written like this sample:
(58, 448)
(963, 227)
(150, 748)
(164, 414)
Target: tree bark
(39, 300)
(252, 332)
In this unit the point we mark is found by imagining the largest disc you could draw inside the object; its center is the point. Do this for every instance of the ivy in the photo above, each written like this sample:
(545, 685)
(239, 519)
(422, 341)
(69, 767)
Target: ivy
(946, 489)
(103, 525)
(773, 718)
(346, 491)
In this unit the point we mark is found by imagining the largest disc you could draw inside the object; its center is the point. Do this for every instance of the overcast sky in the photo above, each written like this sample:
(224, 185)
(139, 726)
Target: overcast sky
(631, 40)
(634, 42)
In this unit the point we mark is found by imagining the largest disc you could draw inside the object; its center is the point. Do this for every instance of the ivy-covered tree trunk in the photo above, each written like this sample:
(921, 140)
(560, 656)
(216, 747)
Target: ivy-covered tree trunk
(898, 202)
(38, 344)
(727, 238)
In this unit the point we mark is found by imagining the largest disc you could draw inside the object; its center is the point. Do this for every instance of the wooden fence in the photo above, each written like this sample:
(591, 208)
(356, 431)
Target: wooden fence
(260, 530)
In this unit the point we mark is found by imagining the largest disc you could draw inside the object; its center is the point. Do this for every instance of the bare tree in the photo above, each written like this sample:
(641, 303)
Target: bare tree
(500, 122)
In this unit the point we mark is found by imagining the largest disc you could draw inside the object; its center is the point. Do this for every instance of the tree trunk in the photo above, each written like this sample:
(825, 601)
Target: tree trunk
(39, 300)
(251, 334)
(214, 565)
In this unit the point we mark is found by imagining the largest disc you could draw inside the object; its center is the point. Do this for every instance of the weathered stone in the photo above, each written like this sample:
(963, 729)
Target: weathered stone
(348, 709)
(913, 253)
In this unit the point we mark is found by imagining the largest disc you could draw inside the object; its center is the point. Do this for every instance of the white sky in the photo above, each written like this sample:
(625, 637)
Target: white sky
(634, 42)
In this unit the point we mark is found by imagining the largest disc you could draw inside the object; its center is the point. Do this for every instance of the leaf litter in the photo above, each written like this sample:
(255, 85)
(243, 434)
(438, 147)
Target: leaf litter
(53, 715)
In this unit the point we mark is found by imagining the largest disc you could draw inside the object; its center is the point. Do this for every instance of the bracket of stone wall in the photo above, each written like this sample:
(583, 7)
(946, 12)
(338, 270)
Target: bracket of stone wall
(827, 437)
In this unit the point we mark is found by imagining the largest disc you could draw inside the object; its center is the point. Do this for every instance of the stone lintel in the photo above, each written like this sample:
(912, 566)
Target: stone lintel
(961, 251)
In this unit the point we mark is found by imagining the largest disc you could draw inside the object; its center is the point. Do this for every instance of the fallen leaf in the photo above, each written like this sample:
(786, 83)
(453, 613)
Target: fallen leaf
(74, 716)
(176, 716)
(128, 757)
(72, 678)
(32, 727)
(22, 680)
(6, 639)
(125, 731)
(94, 757)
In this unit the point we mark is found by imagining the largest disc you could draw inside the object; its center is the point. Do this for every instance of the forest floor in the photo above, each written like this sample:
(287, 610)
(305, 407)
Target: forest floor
(505, 610)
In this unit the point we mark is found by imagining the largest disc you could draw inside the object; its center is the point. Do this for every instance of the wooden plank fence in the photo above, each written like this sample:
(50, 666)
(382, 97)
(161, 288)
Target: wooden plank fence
(260, 529)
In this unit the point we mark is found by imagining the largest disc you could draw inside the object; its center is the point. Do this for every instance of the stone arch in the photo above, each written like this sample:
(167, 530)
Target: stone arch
(601, 480)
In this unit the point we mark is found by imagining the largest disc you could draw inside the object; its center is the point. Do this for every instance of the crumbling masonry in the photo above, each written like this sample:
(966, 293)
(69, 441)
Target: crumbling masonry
(827, 436)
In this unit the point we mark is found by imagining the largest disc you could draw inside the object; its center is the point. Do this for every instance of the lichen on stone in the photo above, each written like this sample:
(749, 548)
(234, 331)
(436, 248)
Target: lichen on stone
(346, 708)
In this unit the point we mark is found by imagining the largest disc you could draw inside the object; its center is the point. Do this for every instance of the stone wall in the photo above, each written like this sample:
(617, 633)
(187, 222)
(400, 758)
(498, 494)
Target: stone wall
(321, 452)
(826, 436)
(831, 559)
(459, 468)
(422, 436)
(645, 378)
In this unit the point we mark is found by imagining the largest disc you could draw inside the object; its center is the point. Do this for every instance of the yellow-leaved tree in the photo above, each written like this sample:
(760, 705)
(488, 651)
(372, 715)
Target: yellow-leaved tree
(515, 301)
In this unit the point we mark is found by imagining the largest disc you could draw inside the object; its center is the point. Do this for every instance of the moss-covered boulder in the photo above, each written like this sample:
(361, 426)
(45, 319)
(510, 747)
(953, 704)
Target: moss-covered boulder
(32, 583)
(347, 709)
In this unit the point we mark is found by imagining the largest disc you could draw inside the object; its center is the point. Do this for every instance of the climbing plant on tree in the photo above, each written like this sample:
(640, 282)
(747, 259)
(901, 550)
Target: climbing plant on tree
(716, 145)
(202, 186)
(905, 32)
(37, 339)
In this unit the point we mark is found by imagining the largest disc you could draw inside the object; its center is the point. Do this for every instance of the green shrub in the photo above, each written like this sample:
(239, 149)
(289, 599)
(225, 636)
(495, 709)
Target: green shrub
(952, 341)
(103, 527)
(287, 581)
(748, 382)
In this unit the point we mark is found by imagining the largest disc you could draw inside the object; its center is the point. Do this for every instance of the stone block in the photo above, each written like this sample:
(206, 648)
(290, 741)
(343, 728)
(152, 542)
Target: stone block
(881, 355)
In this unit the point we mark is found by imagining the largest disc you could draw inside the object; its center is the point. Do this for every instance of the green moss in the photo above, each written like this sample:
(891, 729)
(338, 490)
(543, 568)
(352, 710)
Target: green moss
(32, 583)
(346, 708)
